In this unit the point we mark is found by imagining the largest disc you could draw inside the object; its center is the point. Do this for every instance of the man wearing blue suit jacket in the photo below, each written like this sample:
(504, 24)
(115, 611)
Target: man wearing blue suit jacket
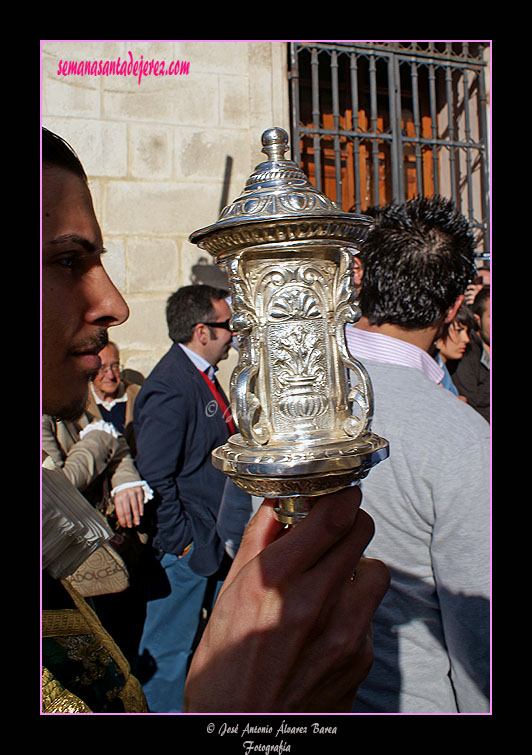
(180, 418)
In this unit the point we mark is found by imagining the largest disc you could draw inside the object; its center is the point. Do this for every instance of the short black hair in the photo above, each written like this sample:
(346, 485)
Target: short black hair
(418, 259)
(56, 152)
(187, 307)
(480, 301)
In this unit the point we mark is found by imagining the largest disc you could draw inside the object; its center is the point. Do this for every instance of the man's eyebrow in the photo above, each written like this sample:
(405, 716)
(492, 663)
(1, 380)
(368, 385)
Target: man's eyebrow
(74, 238)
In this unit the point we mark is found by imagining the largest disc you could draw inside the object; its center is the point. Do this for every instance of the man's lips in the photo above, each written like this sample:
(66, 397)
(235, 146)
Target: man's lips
(87, 351)
(89, 360)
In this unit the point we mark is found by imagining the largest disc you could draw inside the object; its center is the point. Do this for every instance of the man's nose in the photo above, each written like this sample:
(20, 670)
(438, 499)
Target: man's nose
(107, 307)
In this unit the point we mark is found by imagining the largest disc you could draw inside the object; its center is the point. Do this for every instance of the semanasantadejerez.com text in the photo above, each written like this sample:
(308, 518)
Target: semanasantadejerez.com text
(118, 67)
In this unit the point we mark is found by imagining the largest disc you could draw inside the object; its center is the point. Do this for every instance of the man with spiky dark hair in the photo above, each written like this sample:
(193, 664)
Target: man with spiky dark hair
(418, 262)
(430, 499)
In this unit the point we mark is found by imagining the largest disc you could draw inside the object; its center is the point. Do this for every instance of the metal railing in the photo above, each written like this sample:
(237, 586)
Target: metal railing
(379, 122)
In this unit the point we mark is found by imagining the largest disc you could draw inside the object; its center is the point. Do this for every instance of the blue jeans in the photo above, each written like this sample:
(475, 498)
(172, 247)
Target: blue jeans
(172, 620)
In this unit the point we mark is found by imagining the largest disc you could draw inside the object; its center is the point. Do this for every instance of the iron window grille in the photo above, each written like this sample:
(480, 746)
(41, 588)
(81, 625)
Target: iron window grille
(379, 122)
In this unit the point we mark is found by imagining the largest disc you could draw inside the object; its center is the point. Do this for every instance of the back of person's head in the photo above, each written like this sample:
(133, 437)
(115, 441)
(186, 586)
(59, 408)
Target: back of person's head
(481, 301)
(187, 307)
(418, 259)
(57, 153)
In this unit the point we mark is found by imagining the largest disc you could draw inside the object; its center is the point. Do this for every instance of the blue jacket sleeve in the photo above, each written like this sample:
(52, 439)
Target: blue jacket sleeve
(160, 427)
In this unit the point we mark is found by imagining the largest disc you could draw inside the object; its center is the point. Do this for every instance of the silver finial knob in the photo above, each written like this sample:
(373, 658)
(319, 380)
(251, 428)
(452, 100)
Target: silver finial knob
(275, 143)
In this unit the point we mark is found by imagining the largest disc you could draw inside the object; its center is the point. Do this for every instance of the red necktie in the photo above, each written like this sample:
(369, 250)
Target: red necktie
(226, 412)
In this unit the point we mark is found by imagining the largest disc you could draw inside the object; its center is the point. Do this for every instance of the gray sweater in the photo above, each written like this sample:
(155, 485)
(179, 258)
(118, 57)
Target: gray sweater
(431, 504)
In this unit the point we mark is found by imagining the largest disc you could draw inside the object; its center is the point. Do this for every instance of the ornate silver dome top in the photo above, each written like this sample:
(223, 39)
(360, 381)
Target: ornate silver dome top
(279, 203)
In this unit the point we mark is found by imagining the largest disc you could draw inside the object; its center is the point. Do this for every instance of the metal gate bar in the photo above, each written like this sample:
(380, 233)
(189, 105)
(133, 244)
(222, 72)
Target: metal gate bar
(385, 145)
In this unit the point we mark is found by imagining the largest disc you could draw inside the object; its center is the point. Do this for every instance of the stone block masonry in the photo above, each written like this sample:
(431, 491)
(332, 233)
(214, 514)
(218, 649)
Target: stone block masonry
(163, 147)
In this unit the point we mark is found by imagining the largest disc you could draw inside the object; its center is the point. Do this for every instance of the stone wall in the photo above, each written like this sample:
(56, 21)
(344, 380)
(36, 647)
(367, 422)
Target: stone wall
(163, 153)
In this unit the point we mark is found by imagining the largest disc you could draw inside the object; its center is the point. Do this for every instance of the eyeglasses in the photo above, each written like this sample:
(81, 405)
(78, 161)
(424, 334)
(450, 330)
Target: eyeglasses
(114, 367)
(225, 324)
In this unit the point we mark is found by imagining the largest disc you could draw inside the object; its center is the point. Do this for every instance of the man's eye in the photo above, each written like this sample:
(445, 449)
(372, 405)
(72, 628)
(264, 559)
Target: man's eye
(66, 261)
(72, 261)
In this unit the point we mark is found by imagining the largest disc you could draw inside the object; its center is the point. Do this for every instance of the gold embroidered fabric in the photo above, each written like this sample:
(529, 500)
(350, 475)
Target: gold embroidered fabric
(56, 699)
(63, 623)
(83, 620)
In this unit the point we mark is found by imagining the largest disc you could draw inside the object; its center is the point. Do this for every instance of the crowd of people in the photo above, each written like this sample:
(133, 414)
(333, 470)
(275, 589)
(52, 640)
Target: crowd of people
(381, 608)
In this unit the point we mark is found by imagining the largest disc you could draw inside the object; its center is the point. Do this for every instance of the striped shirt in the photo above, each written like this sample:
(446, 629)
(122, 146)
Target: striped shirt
(365, 344)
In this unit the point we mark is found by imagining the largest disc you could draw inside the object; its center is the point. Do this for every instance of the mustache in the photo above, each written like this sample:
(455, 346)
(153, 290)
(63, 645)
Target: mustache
(92, 344)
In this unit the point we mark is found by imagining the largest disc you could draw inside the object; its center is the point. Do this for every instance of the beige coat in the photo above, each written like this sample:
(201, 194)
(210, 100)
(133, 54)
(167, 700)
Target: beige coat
(95, 464)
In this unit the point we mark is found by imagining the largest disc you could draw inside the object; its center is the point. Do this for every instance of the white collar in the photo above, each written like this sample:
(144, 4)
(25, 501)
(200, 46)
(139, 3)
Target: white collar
(383, 348)
(109, 404)
(200, 362)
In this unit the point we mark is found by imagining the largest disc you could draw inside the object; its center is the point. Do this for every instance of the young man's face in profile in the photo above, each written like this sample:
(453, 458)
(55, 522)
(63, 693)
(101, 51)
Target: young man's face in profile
(79, 301)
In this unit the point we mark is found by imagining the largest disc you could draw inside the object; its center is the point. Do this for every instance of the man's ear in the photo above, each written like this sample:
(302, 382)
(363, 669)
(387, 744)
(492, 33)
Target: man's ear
(198, 335)
(202, 333)
(451, 312)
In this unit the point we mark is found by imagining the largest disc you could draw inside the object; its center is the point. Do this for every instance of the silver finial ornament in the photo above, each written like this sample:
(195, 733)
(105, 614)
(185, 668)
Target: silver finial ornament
(302, 402)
